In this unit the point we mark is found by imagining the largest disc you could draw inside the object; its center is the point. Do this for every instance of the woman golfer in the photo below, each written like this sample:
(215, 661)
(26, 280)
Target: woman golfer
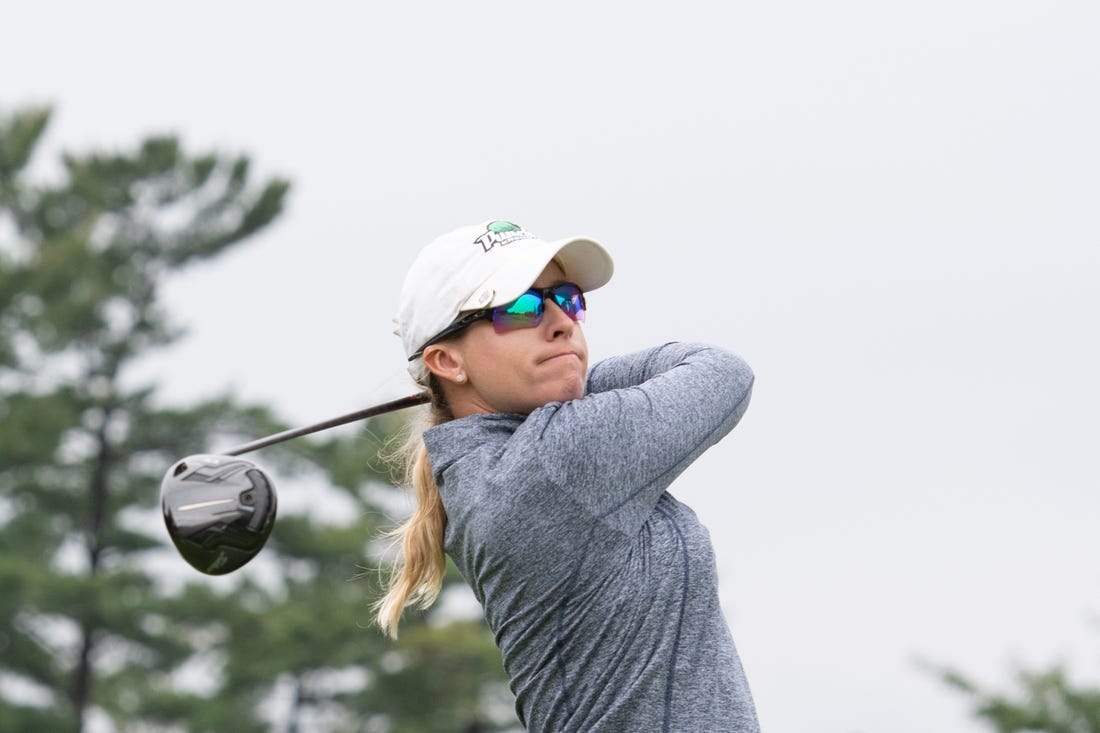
(546, 483)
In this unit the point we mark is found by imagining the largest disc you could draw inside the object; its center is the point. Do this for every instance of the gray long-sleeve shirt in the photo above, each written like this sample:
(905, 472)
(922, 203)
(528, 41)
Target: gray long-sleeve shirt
(600, 588)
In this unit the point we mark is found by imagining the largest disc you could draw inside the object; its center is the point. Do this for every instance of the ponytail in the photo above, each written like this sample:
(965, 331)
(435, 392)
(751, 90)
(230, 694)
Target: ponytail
(418, 575)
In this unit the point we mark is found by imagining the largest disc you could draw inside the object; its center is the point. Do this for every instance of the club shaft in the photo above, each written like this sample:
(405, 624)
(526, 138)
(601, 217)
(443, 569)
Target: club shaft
(399, 404)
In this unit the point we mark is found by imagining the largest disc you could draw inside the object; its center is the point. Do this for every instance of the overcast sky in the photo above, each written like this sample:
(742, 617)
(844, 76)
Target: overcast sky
(890, 209)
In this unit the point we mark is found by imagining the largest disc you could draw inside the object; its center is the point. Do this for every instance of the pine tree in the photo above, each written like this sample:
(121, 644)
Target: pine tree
(88, 625)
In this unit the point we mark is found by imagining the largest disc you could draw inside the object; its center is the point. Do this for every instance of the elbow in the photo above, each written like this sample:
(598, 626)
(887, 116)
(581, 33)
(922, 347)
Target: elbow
(740, 380)
(737, 369)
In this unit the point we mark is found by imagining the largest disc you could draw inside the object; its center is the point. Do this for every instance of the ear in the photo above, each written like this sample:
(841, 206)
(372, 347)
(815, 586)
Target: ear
(445, 362)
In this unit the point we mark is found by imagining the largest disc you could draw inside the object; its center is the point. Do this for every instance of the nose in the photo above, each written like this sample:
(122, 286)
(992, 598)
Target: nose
(556, 321)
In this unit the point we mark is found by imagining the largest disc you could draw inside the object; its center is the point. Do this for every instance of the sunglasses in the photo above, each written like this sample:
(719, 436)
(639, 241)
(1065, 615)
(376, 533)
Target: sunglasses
(523, 312)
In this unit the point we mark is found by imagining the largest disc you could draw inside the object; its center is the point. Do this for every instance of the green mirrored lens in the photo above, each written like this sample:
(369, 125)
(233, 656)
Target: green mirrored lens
(524, 312)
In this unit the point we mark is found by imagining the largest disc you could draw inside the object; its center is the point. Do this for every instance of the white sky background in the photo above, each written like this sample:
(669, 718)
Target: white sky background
(890, 209)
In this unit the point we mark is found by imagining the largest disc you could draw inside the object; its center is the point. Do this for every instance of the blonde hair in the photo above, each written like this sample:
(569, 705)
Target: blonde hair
(417, 575)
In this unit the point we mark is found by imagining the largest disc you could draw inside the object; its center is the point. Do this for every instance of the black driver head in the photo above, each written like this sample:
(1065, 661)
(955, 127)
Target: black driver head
(219, 511)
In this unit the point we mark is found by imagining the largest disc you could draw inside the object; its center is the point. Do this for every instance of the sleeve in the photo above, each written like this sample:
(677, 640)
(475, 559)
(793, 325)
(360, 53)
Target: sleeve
(645, 418)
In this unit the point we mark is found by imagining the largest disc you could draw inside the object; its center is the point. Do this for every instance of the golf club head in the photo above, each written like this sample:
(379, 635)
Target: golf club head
(219, 511)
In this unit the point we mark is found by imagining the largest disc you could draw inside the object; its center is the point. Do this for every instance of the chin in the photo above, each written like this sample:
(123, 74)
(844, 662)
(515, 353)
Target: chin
(570, 391)
(555, 393)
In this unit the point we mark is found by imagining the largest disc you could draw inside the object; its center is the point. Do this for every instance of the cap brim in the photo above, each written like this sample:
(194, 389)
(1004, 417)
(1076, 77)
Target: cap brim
(584, 262)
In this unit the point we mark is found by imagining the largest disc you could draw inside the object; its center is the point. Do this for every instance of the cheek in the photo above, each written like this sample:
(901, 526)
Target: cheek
(489, 356)
(580, 340)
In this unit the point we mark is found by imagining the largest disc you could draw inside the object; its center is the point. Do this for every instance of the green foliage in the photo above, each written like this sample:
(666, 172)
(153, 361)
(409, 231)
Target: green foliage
(19, 134)
(89, 617)
(1043, 702)
(447, 665)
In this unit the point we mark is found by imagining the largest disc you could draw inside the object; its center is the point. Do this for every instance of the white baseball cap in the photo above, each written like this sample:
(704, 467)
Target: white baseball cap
(483, 266)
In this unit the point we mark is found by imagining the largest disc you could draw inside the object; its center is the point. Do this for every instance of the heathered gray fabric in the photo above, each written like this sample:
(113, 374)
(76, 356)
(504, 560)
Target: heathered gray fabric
(600, 588)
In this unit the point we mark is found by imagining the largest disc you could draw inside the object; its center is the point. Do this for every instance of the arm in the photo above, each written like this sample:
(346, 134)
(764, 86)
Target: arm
(645, 418)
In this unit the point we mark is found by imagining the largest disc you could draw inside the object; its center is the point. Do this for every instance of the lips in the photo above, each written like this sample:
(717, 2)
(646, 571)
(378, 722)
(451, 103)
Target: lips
(560, 355)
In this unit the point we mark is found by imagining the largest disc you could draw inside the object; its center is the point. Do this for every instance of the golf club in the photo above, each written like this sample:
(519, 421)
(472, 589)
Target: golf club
(219, 509)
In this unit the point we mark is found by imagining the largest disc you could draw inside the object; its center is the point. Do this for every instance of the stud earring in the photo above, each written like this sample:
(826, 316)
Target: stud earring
(461, 378)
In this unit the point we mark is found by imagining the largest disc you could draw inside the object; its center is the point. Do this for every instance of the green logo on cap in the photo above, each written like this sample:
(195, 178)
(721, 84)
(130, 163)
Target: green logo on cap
(500, 233)
(500, 227)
